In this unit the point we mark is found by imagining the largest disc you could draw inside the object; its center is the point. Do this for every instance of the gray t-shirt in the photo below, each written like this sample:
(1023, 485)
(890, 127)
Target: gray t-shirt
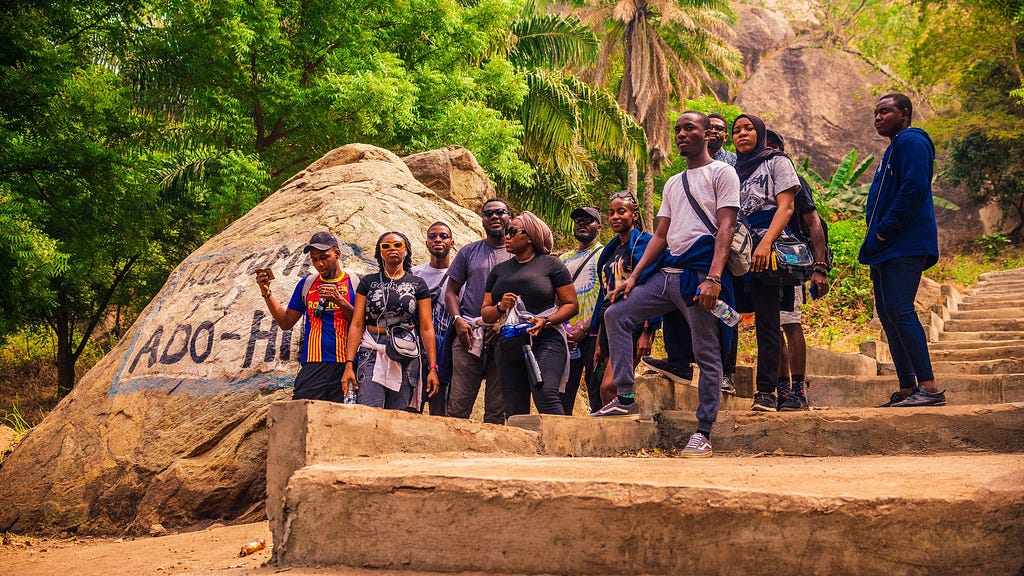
(437, 281)
(758, 192)
(470, 268)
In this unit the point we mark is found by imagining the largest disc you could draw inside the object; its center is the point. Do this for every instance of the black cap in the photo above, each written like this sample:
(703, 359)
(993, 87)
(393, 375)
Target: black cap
(321, 241)
(586, 212)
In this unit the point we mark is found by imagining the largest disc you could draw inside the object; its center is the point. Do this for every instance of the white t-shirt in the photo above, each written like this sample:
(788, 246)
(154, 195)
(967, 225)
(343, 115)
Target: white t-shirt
(758, 192)
(713, 186)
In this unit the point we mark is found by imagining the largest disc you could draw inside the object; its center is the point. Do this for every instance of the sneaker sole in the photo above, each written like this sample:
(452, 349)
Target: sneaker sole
(666, 374)
(627, 415)
(703, 455)
(943, 403)
(802, 409)
(759, 408)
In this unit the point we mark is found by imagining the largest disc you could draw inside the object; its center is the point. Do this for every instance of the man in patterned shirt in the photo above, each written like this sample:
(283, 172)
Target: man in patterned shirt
(582, 264)
(325, 301)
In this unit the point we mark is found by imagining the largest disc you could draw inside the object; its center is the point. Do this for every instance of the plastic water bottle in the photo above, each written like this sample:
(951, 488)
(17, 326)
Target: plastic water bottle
(532, 368)
(350, 394)
(726, 314)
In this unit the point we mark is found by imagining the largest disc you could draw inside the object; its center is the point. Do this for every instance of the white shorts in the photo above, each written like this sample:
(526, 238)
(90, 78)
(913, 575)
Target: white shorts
(794, 317)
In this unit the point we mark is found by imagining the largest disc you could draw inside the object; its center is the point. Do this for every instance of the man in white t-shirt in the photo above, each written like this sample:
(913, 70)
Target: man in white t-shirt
(685, 277)
(435, 274)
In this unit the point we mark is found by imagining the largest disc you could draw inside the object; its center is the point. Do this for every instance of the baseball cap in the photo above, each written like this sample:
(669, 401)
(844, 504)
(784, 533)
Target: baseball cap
(586, 212)
(321, 241)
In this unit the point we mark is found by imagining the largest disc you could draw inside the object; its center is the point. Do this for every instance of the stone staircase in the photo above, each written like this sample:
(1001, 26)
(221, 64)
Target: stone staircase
(841, 489)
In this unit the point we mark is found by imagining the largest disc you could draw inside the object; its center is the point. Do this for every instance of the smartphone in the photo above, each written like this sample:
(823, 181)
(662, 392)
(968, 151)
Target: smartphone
(269, 271)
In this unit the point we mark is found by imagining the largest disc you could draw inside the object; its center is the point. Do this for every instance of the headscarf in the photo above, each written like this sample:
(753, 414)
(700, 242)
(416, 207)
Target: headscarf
(747, 163)
(538, 232)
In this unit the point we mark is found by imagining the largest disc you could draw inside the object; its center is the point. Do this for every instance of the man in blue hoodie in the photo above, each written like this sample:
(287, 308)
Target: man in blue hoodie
(901, 243)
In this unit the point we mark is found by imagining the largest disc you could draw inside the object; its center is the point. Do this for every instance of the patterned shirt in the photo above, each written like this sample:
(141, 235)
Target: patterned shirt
(324, 337)
(585, 282)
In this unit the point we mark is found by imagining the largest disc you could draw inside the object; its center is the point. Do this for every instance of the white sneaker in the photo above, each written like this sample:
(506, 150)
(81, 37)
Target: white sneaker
(697, 447)
(614, 408)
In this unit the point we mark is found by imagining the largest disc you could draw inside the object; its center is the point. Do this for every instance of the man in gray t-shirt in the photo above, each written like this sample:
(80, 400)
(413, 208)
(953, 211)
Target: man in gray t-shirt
(471, 360)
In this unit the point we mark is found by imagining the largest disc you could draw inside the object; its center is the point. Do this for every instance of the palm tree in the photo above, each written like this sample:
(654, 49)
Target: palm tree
(568, 123)
(668, 48)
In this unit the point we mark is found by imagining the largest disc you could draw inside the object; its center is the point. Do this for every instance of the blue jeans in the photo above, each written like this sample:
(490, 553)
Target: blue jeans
(895, 284)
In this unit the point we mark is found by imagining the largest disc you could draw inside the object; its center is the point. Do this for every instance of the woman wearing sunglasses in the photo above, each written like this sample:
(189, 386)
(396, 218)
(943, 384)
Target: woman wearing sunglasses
(536, 284)
(393, 297)
(613, 267)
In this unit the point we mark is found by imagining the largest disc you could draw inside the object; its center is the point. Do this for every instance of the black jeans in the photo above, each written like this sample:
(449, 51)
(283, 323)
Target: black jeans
(552, 353)
(679, 344)
(767, 303)
(895, 284)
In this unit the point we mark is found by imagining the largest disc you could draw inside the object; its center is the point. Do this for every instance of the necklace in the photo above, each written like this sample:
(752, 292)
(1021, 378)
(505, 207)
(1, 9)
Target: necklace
(394, 275)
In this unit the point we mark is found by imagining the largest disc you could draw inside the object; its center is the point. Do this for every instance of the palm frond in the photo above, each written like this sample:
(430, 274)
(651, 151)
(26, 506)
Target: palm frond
(552, 41)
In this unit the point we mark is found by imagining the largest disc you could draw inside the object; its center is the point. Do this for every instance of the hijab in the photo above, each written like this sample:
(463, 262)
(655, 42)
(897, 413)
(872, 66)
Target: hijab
(538, 232)
(747, 163)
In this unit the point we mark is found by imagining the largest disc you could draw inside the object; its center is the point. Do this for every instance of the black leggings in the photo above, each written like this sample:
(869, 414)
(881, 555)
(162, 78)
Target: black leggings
(552, 353)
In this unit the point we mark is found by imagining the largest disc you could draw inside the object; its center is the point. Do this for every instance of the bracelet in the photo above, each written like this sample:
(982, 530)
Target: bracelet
(498, 308)
(713, 280)
(432, 367)
(456, 317)
(820, 269)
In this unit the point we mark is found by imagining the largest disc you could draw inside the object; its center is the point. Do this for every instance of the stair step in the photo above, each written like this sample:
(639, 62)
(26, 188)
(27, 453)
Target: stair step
(972, 344)
(1001, 325)
(989, 314)
(579, 516)
(1001, 336)
(994, 304)
(964, 367)
(982, 353)
(869, 391)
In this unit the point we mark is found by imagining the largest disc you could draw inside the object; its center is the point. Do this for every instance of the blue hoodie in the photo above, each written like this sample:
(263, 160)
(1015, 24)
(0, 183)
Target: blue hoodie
(900, 207)
(638, 244)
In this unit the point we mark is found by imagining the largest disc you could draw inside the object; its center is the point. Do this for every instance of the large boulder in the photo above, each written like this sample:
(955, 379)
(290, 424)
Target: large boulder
(454, 174)
(820, 100)
(170, 427)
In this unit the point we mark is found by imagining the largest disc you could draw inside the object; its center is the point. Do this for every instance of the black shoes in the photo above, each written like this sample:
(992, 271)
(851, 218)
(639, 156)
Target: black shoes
(681, 373)
(764, 402)
(922, 397)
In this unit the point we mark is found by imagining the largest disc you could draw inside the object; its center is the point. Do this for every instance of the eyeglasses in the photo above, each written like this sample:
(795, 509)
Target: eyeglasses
(397, 245)
(584, 220)
(496, 212)
(721, 129)
(436, 235)
(623, 194)
(512, 231)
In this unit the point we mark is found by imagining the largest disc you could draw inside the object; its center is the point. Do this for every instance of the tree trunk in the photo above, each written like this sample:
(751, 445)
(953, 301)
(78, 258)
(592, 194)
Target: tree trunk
(63, 327)
(649, 199)
(631, 175)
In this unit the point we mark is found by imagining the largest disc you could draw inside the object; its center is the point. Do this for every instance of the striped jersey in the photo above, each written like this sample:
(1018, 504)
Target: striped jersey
(324, 339)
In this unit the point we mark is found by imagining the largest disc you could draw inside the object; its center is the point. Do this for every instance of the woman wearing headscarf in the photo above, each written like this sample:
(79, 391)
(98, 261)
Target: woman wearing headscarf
(768, 182)
(391, 297)
(536, 285)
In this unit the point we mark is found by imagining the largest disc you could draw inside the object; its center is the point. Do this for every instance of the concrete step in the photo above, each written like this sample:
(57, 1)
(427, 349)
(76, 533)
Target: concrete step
(990, 314)
(986, 335)
(869, 391)
(1000, 325)
(986, 304)
(962, 367)
(856, 431)
(721, 515)
(999, 285)
(973, 344)
(1002, 275)
(1012, 351)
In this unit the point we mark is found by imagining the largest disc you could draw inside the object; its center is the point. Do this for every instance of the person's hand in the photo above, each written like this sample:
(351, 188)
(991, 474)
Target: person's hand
(597, 351)
(349, 378)
(820, 282)
(433, 383)
(464, 332)
(508, 302)
(709, 292)
(623, 289)
(263, 281)
(539, 323)
(759, 260)
(330, 293)
(643, 344)
(577, 333)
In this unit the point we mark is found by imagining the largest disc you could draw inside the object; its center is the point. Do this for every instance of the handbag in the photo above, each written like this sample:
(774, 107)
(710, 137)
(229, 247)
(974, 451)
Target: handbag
(742, 243)
(790, 262)
(401, 344)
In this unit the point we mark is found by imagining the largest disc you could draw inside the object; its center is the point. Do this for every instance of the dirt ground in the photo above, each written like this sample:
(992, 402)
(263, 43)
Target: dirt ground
(209, 552)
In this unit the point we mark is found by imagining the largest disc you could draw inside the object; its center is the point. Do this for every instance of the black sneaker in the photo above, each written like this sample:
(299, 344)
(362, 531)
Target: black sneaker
(795, 403)
(764, 402)
(728, 387)
(922, 397)
(893, 400)
(679, 372)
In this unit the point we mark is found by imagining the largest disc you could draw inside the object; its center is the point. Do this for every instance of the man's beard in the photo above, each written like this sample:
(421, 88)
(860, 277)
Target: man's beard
(583, 237)
(496, 234)
(714, 147)
(442, 254)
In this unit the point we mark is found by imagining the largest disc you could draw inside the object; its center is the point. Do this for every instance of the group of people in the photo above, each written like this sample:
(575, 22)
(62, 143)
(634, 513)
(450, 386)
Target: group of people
(506, 313)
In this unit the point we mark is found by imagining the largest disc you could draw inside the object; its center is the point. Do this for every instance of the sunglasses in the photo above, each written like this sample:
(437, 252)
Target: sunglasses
(495, 212)
(722, 129)
(397, 245)
(512, 231)
(584, 220)
(436, 235)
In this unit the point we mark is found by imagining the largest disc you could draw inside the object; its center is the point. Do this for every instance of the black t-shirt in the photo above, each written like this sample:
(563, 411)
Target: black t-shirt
(616, 270)
(390, 302)
(534, 281)
(803, 202)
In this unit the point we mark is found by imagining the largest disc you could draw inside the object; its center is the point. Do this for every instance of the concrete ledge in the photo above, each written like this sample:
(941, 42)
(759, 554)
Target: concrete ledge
(946, 369)
(856, 431)
(585, 436)
(820, 361)
(586, 516)
(305, 433)
(870, 391)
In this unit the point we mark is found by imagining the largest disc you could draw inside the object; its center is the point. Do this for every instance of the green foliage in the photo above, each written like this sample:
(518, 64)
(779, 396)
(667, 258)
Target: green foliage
(850, 282)
(13, 419)
(991, 165)
(840, 194)
(992, 245)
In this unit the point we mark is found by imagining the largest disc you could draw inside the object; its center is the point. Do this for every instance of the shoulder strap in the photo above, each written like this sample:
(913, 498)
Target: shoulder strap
(307, 284)
(696, 207)
(579, 269)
